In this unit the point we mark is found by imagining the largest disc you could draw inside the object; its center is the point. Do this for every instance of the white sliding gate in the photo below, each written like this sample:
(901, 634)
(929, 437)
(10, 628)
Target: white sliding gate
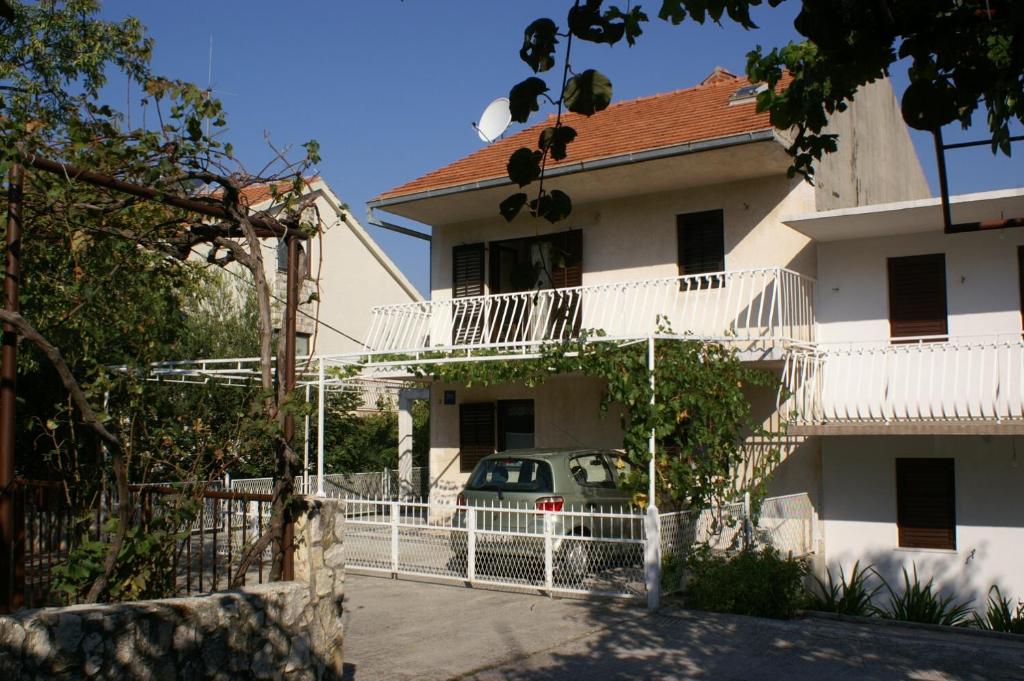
(558, 552)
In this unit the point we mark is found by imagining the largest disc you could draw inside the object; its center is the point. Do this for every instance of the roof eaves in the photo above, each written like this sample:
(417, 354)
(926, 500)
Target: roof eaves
(765, 134)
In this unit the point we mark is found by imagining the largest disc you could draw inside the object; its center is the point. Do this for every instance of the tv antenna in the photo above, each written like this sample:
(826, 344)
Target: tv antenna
(494, 120)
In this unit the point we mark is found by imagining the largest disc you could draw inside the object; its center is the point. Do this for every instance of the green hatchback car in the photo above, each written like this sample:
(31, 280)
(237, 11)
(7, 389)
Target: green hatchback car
(509, 492)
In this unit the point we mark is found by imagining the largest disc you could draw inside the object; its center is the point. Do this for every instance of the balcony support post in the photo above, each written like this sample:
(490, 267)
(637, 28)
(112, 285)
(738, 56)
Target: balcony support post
(652, 542)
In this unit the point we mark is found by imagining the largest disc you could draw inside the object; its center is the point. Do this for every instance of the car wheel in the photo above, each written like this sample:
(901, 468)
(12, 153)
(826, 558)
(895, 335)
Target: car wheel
(575, 560)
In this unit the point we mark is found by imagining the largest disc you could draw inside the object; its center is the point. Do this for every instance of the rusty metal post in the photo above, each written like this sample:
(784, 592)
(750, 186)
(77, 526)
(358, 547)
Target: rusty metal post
(290, 313)
(12, 551)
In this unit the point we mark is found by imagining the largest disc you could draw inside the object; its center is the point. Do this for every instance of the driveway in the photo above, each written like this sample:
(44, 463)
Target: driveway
(408, 630)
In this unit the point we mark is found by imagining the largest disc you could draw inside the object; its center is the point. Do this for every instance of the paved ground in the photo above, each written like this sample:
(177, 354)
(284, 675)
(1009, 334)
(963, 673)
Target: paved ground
(407, 630)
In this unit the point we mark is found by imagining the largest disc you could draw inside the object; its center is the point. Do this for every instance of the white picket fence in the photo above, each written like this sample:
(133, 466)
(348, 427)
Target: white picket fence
(572, 551)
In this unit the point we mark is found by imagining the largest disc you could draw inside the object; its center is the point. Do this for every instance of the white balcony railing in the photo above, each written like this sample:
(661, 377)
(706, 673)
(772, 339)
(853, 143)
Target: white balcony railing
(757, 307)
(969, 379)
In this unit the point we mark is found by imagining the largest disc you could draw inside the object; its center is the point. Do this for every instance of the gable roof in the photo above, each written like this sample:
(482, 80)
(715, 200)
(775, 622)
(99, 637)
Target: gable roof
(694, 114)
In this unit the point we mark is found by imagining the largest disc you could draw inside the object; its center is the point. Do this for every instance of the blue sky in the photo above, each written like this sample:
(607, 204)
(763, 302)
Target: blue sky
(389, 88)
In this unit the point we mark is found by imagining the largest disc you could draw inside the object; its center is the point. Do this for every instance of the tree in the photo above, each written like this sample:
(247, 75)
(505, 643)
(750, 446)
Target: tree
(963, 54)
(92, 249)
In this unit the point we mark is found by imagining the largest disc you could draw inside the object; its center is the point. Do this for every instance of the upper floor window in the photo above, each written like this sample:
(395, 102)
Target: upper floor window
(540, 262)
(701, 241)
(282, 253)
(917, 296)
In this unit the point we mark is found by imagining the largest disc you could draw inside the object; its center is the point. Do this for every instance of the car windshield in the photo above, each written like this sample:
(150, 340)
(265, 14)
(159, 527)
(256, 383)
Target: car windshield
(511, 475)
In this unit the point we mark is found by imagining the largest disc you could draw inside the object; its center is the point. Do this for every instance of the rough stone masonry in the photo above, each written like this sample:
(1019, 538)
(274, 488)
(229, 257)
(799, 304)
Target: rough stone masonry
(285, 630)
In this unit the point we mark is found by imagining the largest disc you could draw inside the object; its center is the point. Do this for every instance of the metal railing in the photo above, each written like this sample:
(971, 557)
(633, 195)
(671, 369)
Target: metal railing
(372, 484)
(756, 306)
(926, 379)
(598, 551)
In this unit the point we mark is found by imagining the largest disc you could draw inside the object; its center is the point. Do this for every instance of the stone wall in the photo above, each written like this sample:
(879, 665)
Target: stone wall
(286, 630)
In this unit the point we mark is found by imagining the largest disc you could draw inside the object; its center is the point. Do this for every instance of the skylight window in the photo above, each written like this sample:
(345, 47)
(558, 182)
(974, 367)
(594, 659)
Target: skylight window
(747, 93)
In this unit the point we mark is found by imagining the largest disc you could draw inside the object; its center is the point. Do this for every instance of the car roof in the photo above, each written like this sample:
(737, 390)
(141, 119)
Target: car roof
(546, 452)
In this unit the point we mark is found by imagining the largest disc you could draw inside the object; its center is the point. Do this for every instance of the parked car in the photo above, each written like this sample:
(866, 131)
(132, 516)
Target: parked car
(509, 492)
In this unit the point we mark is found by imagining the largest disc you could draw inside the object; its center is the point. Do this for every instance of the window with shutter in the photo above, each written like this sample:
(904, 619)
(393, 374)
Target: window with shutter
(701, 242)
(1020, 280)
(926, 503)
(476, 433)
(467, 281)
(917, 296)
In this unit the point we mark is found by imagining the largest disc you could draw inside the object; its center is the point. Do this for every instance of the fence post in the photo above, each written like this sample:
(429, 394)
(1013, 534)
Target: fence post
(470, 544)
(748, 534)
(652, 557)
(394, 537)
(549, 553)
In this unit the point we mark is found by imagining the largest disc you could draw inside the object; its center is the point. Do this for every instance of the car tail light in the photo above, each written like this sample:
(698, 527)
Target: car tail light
(550, 503)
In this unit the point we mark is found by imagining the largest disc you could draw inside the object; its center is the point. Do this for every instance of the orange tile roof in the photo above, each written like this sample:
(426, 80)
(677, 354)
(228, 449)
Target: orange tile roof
(255, 194)
(663, 120)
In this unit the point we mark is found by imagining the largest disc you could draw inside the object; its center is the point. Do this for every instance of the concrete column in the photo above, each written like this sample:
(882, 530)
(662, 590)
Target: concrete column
(405, 399)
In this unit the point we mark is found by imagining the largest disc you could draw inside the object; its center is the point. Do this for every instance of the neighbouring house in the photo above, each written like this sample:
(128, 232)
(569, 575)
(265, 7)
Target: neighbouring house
(354, 274)
(848, 288)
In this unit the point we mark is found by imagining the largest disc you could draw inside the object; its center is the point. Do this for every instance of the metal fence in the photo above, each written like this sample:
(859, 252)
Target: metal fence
(758, 306)
(572, 551)
(371, 485)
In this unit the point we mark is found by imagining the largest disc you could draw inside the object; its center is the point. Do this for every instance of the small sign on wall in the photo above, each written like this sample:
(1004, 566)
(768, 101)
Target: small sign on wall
(449, 397)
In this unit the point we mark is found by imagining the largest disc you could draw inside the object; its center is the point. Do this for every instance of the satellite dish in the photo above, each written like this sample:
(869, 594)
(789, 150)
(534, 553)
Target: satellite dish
(495, 118)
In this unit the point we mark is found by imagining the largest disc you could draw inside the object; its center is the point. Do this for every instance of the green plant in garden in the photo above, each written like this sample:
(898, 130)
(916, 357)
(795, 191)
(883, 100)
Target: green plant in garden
(1000, 614)
(701, 414)
(754, 581)
(919, 603)
(146, 563)
(851, 596)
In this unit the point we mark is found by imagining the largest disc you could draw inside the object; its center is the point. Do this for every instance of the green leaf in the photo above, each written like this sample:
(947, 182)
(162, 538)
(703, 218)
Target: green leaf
(524, 166)
(553, 206)
(587, 23)
(672, 11)
(555, 139)
(522, 98)
(588, 92)
(928, 105)
(539, 40)
(511, 206)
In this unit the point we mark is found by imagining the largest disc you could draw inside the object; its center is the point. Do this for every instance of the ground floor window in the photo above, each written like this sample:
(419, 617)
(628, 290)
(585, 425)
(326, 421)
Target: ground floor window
(926, 503)
(486, 427)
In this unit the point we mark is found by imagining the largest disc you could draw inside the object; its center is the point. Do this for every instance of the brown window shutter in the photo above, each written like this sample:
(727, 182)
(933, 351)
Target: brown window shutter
(568, 268)
(926, 503)
(468, 270)
(467, 281)
(917, 296)
(701, 242)
(476, 433)
(1020, 278)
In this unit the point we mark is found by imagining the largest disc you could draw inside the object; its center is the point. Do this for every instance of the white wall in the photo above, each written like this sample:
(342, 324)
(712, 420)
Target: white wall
(859, 510)
(635, 238)
(982, 289)
(565, 415)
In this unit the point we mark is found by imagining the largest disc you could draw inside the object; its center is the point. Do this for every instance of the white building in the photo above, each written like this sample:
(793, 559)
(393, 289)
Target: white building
(354, 274)
(682, 208)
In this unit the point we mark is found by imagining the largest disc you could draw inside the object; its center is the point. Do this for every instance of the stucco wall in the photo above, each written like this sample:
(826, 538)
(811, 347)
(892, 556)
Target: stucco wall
(635, 238)
(859, 510)
(565, 415)
(875, 161)
(982, 290)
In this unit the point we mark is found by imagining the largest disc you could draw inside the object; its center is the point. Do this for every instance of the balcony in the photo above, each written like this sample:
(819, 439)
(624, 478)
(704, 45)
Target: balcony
(756, 310)
(966, 385)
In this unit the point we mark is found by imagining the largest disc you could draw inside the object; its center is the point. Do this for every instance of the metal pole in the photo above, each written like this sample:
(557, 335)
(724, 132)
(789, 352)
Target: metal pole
(320, 432)
(11, 546)
(305, 451)
(940, 154)
(652, 521)
(651, 444)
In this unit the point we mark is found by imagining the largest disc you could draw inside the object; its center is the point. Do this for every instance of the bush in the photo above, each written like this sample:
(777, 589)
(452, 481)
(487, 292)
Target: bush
(847, 597)
(918, 603)
(999, 616)
(756, 582)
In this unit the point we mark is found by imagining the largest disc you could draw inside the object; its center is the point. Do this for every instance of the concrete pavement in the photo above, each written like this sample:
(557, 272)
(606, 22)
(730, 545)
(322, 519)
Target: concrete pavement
(407, 630)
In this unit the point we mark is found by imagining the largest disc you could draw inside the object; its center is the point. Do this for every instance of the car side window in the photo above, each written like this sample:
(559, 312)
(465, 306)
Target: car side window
(617, 461)
(591, 470)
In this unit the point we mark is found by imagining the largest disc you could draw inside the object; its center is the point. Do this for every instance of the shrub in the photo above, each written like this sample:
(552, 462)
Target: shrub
(999, 616)
(851, 596)
(756, 582)
(919, 603)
